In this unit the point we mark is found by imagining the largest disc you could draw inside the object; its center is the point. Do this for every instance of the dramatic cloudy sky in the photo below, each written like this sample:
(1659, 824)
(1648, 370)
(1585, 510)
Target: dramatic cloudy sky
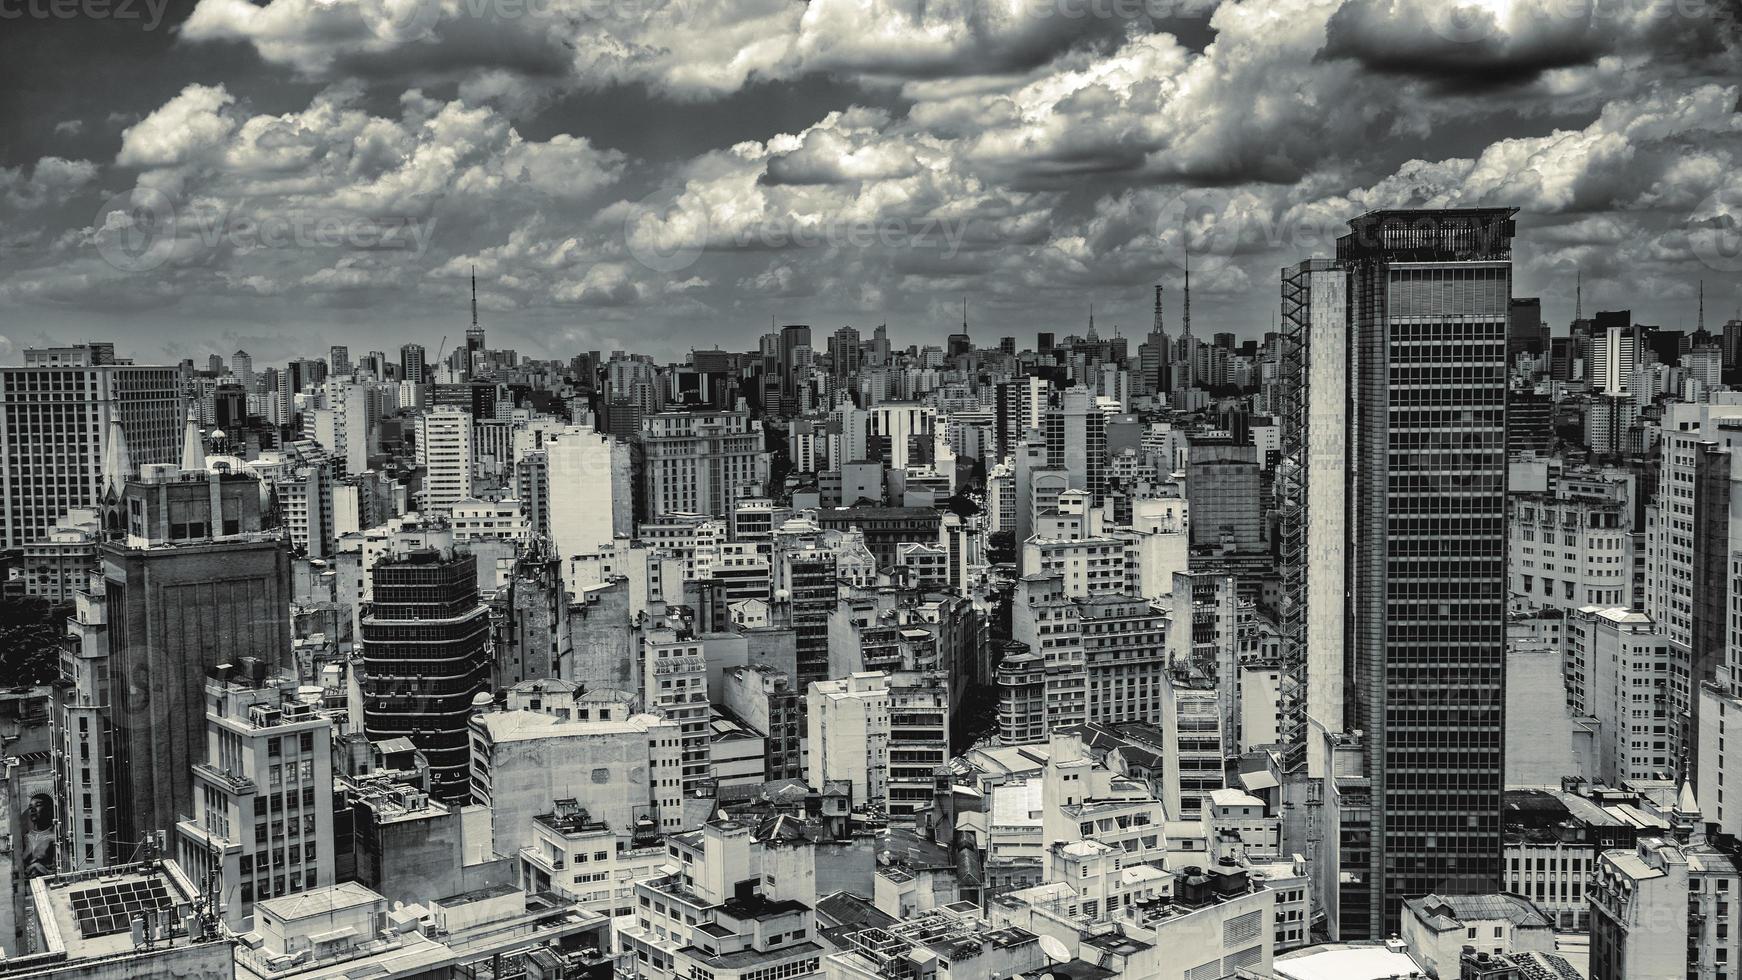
(188, 176)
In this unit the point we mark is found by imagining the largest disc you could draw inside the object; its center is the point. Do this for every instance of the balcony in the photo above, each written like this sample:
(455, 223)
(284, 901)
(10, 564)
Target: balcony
(236, 783)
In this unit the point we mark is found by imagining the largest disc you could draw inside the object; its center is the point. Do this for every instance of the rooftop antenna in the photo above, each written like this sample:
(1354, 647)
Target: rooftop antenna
(1186, 316)
(1579, 296)
(474, 297)
(1159, 327)
(964, 314)
(1701, 326)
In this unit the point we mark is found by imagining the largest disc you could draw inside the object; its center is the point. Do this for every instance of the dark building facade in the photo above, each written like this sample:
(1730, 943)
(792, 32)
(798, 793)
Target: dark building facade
(1524, 330)
(192, 580)
(1429, 295)
(424, 657)
(1222, 493)
(1529, 423)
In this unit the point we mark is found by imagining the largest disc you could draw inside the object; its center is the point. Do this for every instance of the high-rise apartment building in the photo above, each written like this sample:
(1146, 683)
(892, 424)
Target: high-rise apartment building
(588, 498)
(1020, 404)
(1223, 491)
(675, 684)
(1076, 441)
(425, 636)
(1634, 681)
(55, 427)
(886, 733)
(1689, 541)
(1665, 909)
(444, 450)
(906, 428)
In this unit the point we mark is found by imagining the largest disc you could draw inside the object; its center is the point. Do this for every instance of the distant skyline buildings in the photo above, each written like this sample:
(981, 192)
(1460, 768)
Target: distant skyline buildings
(535, 332)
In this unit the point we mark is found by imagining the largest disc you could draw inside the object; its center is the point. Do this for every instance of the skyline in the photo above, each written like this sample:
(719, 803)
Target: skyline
(1032, 162)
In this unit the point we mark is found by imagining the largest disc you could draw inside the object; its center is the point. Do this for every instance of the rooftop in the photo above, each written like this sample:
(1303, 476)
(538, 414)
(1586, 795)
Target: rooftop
(1445, 912)
(90, 914)
(343, 895)
(1346, 961)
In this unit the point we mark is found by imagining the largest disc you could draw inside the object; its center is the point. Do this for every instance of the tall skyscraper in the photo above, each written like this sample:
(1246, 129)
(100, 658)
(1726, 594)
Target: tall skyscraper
(1429, 294)
(424, 637)
(55, 426)
(1393, 505)
(795, 345)
(844, 353)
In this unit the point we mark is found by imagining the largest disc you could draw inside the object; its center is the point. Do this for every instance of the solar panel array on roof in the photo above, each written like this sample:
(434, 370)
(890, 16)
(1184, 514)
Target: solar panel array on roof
(109, 908)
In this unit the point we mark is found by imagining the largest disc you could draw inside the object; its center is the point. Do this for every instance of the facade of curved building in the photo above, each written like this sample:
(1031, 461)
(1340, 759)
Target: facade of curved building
(425, 656)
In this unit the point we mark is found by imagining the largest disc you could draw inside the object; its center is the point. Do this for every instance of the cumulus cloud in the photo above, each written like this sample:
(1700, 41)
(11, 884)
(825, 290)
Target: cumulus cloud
(50, 181)
(991, 147)
(685, 48)
(1479, 45)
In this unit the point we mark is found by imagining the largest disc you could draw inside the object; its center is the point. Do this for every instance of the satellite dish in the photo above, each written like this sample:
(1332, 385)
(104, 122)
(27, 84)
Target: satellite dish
(1054, 949)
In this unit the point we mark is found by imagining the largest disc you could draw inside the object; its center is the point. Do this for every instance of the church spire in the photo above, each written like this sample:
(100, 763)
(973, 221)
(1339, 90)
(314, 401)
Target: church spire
(117, 464)
(193, 449)
(117, 470)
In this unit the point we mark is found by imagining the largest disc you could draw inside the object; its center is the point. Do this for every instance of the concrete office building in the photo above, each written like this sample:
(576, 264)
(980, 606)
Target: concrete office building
(1569, 550)
(702, 462)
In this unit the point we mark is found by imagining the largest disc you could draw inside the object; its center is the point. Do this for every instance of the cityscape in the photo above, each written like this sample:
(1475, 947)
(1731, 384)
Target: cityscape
(740, 491)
